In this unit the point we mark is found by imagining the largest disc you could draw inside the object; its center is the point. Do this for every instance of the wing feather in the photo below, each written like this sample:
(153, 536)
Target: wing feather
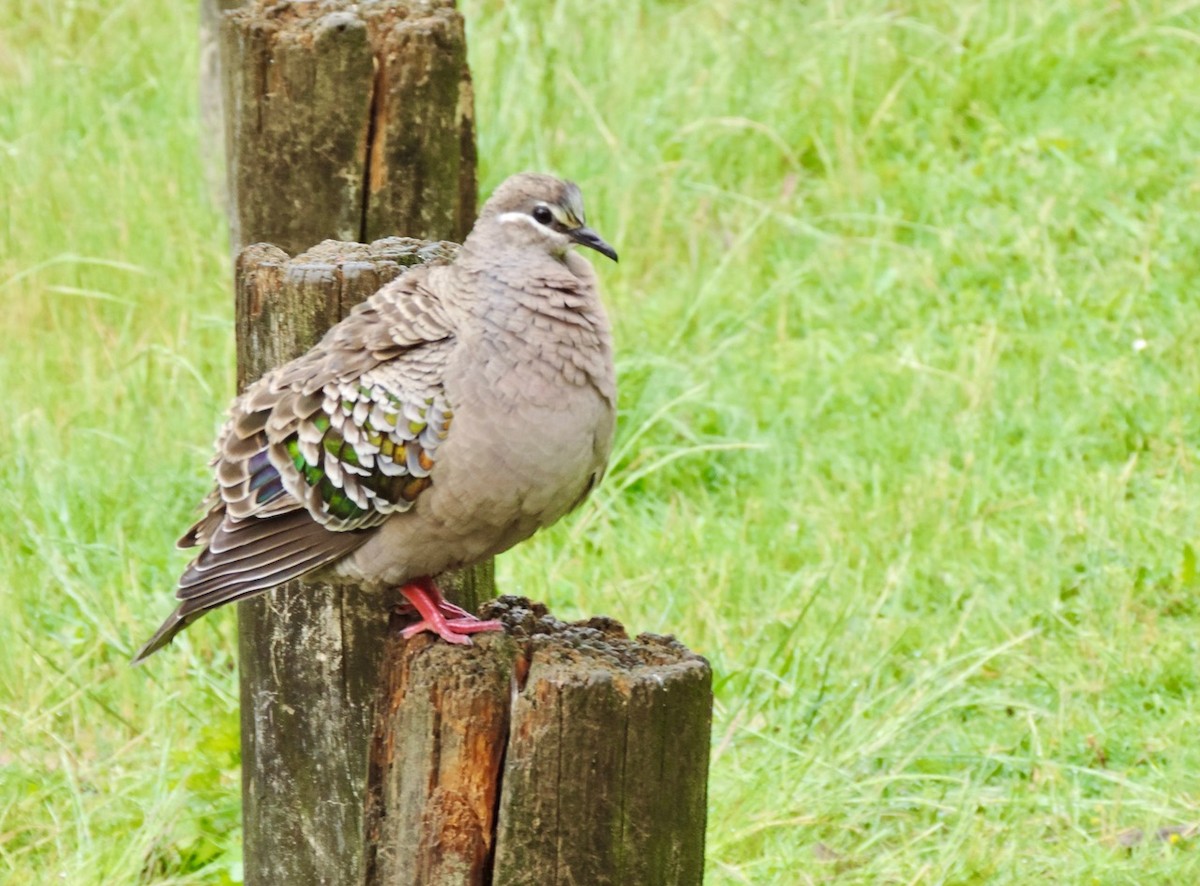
(319, 452)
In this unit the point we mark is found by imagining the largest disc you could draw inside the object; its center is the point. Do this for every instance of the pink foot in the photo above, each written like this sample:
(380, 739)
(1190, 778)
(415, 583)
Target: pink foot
(438, 616)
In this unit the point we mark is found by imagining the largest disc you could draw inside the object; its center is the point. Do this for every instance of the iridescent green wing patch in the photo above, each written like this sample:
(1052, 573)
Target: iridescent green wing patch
(369, 451)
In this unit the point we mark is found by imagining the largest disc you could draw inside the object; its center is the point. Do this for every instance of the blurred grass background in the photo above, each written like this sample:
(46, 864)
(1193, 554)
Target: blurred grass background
(907, 319)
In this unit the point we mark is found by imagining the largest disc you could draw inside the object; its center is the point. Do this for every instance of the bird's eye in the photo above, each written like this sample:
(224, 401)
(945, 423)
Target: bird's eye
(542, 215)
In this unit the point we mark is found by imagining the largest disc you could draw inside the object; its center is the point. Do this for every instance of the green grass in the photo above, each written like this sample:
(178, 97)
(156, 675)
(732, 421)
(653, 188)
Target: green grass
(907, 319)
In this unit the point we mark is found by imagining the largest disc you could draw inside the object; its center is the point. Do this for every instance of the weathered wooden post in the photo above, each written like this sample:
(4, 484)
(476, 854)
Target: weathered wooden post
(351, 121)
(340, 120)
(554, 753)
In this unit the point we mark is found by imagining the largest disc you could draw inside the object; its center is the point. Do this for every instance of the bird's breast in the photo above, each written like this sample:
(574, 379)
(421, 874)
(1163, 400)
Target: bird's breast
(520, 461)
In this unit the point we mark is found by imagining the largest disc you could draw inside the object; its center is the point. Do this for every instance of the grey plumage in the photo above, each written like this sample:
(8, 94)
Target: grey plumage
(451, 415)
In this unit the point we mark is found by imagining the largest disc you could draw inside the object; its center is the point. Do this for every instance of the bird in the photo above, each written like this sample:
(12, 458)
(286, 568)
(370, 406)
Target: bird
(451, 415)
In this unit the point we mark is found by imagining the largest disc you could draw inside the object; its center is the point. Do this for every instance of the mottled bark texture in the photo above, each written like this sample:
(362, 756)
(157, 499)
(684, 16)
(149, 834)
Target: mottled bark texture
(310, 653)
(346, 120)
(552, 754)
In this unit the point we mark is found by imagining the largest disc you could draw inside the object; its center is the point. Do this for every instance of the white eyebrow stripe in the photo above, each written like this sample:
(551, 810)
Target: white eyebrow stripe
(506, 217)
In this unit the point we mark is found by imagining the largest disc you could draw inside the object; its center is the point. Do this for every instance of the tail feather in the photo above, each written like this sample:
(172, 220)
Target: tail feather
(296, 547)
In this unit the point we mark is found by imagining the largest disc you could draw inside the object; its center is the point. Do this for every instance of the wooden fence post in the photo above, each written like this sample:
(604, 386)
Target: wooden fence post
(552, 754)
(319, 101)
(347, 120)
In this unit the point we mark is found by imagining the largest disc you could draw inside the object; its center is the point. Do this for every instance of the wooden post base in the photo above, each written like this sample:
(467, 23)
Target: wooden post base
(550, 753)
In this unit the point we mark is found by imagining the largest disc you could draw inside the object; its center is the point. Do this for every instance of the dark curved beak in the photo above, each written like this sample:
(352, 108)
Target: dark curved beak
(589, 238)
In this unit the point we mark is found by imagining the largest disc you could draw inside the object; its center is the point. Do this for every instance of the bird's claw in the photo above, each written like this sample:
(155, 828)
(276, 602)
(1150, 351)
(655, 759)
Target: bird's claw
(452, 630)
(439, 616)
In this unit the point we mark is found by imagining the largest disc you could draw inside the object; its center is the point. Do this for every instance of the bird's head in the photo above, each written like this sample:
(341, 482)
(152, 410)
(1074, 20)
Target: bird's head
(541, 211)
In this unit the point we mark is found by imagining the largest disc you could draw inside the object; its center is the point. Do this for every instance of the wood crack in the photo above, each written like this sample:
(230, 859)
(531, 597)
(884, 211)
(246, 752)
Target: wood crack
(371, 155)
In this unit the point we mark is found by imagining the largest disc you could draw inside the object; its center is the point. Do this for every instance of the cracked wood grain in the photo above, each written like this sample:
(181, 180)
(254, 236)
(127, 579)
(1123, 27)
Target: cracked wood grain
(346, 120)
(552, 754)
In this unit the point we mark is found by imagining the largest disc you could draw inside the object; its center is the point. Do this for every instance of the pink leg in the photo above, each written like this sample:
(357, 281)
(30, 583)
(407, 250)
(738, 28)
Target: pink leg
(424, 596)
(446, 606)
